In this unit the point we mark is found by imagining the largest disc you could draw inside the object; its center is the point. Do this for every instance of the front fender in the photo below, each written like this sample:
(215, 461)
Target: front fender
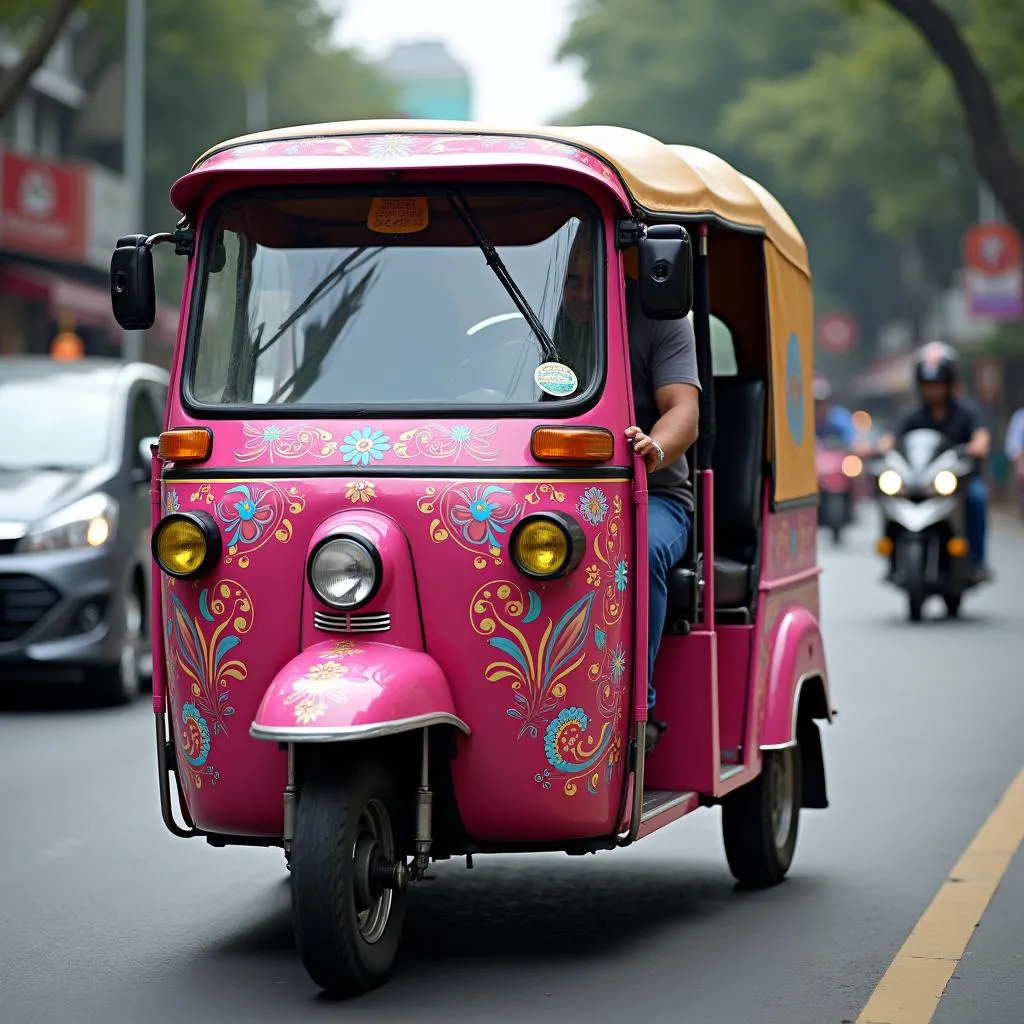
(351, 690)
(917, 516)
(797, 658)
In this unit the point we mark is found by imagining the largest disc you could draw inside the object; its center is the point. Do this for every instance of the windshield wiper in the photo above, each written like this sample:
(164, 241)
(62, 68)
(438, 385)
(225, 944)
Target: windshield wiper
(494, 261)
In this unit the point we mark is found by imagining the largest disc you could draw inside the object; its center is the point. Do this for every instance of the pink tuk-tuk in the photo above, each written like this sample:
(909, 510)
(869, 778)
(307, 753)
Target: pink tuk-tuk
(400, 606)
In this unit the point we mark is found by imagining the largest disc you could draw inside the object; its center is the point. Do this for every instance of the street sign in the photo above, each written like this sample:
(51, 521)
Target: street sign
(838, 332)
(993, 273)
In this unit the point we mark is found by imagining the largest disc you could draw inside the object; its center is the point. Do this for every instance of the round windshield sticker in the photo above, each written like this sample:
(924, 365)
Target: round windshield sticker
(555, 379)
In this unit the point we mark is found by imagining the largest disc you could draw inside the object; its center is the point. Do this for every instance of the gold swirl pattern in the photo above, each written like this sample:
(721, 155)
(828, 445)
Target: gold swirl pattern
(289, 442)
(434, 441)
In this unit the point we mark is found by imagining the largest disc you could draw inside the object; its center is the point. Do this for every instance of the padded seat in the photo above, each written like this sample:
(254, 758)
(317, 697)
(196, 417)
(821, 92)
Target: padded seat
(738, 463)
(733, 585)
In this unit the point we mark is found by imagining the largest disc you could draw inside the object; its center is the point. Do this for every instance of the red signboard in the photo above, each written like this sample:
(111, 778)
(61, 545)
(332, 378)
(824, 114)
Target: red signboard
(993, 275)
(42, 207)
(838, 332)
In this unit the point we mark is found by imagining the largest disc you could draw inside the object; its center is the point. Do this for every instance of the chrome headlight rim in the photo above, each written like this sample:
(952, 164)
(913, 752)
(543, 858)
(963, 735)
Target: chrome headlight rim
(576, 542)
(368, 548)
(210, 530)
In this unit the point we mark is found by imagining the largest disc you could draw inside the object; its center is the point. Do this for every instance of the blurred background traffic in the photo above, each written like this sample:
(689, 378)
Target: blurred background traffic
(845, 111)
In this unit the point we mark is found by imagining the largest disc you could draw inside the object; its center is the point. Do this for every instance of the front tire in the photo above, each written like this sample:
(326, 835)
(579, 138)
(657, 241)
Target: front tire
(953, 606)
(760, 821)
(347, 926)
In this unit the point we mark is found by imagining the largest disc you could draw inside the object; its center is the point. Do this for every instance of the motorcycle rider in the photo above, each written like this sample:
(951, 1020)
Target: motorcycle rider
(941, 409)
(830, 420)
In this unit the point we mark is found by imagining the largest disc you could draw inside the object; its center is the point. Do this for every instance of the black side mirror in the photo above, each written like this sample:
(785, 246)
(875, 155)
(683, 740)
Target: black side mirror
(133, 283)
(666, 272)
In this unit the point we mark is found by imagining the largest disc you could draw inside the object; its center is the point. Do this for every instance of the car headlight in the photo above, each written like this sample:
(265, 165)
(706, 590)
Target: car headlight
(186, 544)
(547, 545)
(90, 522)
(945, 482)
(345, 571)
(890, 482)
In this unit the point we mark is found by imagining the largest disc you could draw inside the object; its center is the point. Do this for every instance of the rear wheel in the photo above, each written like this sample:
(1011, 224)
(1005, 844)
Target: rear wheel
(760, 821)
(347, 922)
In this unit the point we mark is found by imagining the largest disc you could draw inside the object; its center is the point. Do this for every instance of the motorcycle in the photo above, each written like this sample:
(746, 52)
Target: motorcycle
(920, 483)
(837, 471)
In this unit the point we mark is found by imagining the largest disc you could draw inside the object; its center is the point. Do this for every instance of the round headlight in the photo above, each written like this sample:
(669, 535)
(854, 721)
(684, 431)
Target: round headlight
(186, 543)
(344, 572)
(945, 482)
(547, 544)
(889, 482)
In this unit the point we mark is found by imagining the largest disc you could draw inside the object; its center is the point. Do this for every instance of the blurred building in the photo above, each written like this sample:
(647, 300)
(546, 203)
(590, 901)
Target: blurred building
(431, 83)
(61, 215)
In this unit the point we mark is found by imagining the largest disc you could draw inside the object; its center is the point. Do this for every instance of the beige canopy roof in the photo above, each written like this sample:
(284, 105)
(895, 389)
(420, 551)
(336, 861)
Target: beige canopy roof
(660, 178)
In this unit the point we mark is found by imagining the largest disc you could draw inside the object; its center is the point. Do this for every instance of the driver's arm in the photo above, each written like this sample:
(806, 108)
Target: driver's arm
(677, 425)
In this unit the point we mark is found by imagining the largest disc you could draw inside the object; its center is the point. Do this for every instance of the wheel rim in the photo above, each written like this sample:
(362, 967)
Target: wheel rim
(782, 779)
(374, 843)
(129, 660)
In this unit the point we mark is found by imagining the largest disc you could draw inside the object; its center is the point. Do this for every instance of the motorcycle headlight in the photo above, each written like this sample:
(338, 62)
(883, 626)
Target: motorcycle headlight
(890, 482)
(945, 482)
(90, 522)
(345, 572)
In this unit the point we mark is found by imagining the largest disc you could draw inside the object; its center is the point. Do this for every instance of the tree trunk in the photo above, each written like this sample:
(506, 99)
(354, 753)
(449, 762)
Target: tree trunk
(994, 157)
(31, 60)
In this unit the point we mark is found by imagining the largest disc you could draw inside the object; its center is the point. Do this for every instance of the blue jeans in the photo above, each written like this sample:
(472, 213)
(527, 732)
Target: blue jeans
(976, 508)
(668, 533)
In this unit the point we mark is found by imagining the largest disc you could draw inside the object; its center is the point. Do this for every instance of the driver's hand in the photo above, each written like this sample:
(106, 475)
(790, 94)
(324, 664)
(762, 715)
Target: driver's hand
(642, 445)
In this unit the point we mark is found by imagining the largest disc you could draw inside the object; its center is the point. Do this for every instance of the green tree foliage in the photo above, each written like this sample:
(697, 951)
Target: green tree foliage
(838, 106)
(676, 69)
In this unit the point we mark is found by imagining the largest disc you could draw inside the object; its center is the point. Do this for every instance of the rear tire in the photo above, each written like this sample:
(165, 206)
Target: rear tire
(347, 928)
(760, 821)
(915, 607)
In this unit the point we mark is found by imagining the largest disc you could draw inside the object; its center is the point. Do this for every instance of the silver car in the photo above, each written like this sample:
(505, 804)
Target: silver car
(74, 520)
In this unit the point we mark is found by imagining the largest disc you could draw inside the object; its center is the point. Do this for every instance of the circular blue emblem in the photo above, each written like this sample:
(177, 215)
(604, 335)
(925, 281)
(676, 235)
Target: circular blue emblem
(795, 391)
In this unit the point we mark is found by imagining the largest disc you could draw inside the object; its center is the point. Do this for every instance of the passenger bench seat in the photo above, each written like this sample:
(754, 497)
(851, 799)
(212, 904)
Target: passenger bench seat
(737, 461)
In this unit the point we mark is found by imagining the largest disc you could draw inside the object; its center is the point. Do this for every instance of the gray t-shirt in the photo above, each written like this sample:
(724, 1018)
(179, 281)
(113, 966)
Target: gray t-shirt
(660, 352)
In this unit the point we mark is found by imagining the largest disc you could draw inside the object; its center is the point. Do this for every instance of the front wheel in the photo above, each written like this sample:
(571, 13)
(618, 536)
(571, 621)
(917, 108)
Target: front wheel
(347, 921)
(953, 606)
(761, 819)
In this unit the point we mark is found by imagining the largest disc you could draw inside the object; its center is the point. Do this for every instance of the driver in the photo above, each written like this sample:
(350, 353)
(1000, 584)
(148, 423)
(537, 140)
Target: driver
(831, 420)
(957, 419)
(663, 368)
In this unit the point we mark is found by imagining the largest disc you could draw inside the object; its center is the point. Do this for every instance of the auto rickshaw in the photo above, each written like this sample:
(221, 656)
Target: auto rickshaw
(400, 606)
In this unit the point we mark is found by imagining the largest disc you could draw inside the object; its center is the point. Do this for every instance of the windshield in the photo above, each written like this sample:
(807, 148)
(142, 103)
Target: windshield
(54, 426)
(359, 300)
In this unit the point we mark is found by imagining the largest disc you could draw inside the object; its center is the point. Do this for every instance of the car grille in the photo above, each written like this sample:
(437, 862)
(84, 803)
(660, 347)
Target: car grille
(352, 622)
(24, 600)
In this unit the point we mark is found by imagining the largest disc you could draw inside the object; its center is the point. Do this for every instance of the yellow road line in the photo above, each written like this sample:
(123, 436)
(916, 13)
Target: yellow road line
(911, 988)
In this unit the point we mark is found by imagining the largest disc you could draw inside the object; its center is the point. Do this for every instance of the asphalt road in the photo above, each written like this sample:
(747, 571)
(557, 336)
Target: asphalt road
(104, 916)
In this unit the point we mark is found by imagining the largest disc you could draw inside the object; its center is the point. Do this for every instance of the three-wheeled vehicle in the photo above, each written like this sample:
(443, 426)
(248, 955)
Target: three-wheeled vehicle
(401, 536)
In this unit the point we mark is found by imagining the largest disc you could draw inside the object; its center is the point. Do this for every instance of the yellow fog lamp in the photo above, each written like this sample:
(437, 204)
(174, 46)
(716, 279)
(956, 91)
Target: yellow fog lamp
(547, 544)
(884, 546)
(890, 482)
(186, 544)
(945, 483)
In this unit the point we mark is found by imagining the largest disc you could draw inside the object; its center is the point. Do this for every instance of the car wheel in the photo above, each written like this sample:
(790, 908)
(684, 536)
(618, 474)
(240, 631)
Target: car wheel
(121, 682)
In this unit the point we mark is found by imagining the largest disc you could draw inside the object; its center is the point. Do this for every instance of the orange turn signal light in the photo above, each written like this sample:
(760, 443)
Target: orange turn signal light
(957, 547)
(187, 444)
(572, 444)
(884, 546)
